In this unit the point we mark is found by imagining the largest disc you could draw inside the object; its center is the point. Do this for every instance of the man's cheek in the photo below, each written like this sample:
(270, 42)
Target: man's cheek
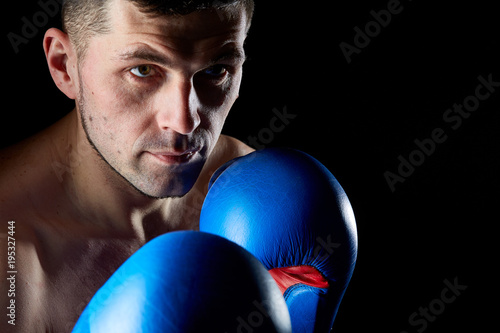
(117, 116)
(126, 103)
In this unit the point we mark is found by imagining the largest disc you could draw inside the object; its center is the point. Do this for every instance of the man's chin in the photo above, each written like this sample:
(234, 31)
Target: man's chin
(163, 192)
(174, 185)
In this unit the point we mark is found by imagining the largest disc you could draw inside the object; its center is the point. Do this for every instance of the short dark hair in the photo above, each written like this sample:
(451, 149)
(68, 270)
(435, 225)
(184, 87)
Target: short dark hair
(83, 19)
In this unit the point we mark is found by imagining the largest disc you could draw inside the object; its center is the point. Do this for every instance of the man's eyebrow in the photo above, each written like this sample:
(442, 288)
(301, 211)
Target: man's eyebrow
(145, 54)
(235, 55)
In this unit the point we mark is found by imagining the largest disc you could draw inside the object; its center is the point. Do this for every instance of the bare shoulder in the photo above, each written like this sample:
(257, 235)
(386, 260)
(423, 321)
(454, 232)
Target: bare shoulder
(28, 155)
(10, 161)
(230, 147)
(12, 169)
(27, 169)
(20, 166)
(226, 149)
(32, 160)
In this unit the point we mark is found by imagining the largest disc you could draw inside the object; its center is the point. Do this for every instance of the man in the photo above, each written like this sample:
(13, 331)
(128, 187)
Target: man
(153, 85)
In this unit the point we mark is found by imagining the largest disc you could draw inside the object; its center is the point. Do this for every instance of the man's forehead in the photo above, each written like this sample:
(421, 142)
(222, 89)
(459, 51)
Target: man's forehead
(126, 18)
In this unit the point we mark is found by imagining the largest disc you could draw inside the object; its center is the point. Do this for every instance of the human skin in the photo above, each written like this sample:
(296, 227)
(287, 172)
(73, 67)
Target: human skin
(153, 94)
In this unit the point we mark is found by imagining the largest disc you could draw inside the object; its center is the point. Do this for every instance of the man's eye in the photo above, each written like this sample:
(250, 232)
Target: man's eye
(142, 71)
(216, 71)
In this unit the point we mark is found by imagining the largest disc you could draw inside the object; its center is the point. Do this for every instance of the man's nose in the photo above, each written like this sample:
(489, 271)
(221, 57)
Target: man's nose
(178, 106)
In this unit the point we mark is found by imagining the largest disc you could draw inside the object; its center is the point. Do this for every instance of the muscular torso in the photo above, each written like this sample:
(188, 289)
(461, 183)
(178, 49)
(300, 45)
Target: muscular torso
(61, 262)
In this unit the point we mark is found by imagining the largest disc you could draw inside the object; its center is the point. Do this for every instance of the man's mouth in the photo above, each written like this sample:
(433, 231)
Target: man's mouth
(174, 157)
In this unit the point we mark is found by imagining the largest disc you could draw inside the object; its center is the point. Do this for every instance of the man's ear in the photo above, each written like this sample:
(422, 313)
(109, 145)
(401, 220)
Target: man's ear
(62, 61)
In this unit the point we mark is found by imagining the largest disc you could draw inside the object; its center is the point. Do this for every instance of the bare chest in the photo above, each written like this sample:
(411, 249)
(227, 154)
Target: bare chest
(54, 287)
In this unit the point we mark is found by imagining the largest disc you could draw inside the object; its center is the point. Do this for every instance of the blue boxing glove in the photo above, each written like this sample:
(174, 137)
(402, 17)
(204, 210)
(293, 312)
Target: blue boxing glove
(289, 211)
(187, 281)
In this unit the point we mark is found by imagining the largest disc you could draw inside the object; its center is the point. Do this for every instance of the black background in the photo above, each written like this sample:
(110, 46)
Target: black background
(357, 118)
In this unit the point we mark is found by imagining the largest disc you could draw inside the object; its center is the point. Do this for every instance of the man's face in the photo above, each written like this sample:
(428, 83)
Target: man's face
(155, 92)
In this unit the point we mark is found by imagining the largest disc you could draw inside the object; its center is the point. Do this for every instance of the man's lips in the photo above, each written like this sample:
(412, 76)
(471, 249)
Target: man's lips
(174, 157)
